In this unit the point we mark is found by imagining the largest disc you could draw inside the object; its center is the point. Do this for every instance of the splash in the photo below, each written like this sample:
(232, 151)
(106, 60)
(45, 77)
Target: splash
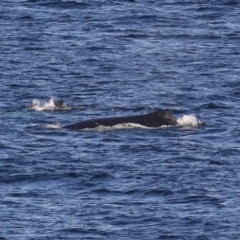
(188, 121)
(51, 105)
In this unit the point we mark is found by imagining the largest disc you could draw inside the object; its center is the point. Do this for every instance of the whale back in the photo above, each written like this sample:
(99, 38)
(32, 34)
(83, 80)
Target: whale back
(160, 118)
(154, 119)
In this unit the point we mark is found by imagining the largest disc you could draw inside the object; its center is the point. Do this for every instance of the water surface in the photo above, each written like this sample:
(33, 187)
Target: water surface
(115, 58)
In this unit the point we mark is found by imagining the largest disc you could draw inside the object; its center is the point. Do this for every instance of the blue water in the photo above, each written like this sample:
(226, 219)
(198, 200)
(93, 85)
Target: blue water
(119, 58)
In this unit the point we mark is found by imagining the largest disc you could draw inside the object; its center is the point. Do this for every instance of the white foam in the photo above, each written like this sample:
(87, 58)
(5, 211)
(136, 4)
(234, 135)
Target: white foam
(188, 121)
(57, 125)
(122, 126)
(50, 106)
(117, 126)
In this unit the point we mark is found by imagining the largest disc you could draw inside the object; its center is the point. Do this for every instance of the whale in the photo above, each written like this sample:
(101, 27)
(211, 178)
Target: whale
(161, 117)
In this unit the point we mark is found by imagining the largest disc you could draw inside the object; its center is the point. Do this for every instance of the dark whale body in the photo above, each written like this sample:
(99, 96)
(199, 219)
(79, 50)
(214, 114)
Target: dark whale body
(155, 119)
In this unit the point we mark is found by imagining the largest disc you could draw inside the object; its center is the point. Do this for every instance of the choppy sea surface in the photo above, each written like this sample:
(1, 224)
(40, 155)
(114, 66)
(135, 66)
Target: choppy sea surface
(118, 58)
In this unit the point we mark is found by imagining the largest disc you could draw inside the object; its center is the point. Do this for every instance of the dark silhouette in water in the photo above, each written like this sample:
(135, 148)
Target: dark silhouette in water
(155, 119)
(59, 103)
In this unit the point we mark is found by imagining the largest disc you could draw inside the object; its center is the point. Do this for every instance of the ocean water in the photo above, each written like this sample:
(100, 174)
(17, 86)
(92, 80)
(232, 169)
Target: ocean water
(118, 58)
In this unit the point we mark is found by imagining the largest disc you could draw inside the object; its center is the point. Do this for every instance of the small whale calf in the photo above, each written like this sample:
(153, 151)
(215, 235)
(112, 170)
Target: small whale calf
(155, 119)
